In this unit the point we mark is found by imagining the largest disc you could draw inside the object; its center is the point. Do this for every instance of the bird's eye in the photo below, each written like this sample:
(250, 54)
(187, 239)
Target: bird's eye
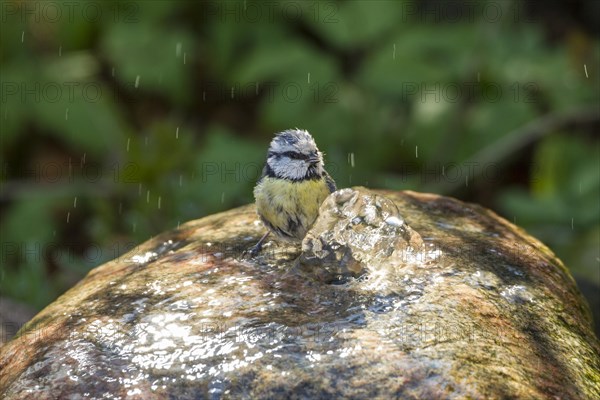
(294, 155)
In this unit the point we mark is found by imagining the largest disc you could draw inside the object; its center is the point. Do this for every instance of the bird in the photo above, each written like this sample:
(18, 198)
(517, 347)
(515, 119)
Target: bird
(292, 186)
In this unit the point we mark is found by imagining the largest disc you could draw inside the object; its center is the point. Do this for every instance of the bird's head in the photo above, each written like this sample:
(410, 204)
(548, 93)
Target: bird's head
(293, 154)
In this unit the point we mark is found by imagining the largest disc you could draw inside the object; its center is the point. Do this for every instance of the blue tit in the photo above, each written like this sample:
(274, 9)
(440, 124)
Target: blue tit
(292, 186)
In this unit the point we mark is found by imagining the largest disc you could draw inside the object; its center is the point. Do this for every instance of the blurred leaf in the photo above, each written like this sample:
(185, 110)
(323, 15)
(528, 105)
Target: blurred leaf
(226, 173)
(13, 32)
(150, 58)
(16, 103)
(562, 208)
(26, 231)
(488, 122)
(62, 97)
(353, 23)
(418, 59)
(29, 221)
(562, 165)
(87, 121)
(286, 62)
(535, 70)
(157, 151)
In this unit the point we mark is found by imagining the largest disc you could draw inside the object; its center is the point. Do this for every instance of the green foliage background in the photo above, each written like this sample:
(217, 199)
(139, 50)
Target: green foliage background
(174, 103)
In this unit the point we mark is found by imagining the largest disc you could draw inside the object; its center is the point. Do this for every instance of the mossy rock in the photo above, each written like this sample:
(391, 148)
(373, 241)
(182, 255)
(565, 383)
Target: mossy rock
(479, 310)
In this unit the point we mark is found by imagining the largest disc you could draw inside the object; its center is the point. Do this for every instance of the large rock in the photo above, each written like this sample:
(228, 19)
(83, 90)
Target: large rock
(440, 299)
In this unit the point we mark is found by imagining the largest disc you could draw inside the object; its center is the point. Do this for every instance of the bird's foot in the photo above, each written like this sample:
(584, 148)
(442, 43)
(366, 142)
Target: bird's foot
(252, 251)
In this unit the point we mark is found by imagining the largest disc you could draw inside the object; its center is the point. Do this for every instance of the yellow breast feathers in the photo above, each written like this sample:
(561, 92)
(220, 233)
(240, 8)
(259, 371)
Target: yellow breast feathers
(290, 208)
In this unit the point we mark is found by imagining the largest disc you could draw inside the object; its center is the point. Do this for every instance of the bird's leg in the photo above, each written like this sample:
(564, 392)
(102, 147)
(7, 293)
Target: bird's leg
(254, 250)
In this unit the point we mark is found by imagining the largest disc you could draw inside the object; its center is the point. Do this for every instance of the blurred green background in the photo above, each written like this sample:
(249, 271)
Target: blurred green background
(121, 120)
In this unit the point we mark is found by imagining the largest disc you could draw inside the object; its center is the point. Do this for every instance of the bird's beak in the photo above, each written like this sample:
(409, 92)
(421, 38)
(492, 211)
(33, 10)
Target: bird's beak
(314, 158)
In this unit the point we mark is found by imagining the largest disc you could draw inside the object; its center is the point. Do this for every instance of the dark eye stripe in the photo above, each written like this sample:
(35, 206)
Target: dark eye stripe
(295, 155)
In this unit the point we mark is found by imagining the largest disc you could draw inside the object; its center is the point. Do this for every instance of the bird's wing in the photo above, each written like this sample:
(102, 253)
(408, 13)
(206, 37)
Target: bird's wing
(330, 182)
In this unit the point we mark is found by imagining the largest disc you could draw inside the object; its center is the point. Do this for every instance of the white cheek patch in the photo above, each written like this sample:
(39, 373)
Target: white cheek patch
(293, 169)
(288, 168)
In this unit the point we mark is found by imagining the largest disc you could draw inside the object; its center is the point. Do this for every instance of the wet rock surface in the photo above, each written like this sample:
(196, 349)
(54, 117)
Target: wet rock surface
(359, 234)
(439, 299)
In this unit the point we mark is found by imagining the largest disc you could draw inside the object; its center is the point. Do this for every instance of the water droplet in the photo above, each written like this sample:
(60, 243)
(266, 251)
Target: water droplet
(75, 202)
(585, 69)
(351, 159)
(394, 52)
(159, 201)
(22, 36)
(180, 180)
(232, 92)
(68, 216)
(67, 114)
(177, 133)
(417, 151)
(394, 221)
(308, 79)
(148, 196)
(178, 49)
(137, 81)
